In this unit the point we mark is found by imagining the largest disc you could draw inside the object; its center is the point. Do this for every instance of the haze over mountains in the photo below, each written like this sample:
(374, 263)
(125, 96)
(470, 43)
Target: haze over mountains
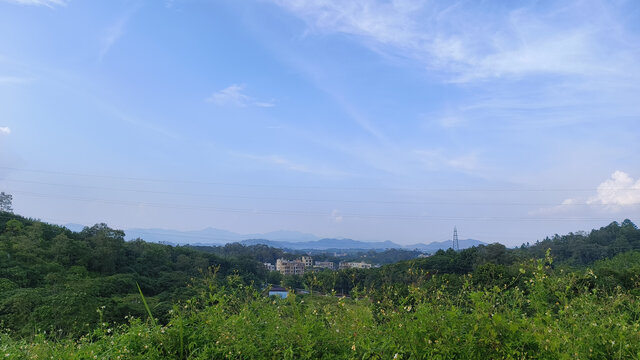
(213, 236)
(343, 244)
(283, 239)
(293, 240)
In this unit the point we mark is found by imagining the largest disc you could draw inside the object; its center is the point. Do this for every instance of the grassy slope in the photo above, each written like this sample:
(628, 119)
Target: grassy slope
(555, 315)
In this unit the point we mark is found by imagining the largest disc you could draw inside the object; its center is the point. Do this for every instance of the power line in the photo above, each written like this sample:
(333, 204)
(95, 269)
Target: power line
(539, 242)
(304, 213)
(252, 197)
(462, 189)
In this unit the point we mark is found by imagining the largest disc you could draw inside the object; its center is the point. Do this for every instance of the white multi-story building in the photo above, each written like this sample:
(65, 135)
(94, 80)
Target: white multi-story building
(325, 265)
(290, 267)
(356, 265)
(307, 261)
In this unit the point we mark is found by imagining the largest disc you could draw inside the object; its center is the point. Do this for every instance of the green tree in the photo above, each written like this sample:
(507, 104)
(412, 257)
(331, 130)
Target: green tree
(5, 202)
(292, 282)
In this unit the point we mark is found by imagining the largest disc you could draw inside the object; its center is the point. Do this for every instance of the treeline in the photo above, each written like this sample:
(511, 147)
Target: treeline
(388, 256)
(265, 253)
(550, 313)
(490, 265)
(258, 252)
(583, 249)
(54, 279)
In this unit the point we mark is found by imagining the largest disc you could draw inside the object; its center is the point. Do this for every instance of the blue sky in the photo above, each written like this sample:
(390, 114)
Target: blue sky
(373, 120)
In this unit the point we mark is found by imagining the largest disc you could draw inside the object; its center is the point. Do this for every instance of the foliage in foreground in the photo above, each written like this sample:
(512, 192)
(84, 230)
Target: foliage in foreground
(541, 313)
(53, 279)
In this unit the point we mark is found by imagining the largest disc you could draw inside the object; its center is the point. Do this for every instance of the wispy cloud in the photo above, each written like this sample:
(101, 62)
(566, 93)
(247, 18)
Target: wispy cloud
(114, 32)
(5, 130)
(336, 216)
(48, 3)
(264, 104)
(140, 123)
(439, 159)
(13, 80)
(233, 95)
(295, 166)
(288, 164)
(517, 68)
(473, 42)
(450, 121)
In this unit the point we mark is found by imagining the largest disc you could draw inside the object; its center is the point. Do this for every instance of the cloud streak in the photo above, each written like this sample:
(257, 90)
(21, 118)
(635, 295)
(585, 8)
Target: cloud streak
(234, 95)
(13, 80)
(5, 131)
(291, 165)
(113, 33)
(472, 42)
(437, 159)
(47, 3)
(516, 69)
(336, 216)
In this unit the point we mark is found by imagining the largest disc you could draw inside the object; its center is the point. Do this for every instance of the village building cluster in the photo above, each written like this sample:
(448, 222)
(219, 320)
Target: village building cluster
(305, 264)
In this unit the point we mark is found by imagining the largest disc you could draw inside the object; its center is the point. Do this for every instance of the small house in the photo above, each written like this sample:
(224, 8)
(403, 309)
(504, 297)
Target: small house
(278, 291)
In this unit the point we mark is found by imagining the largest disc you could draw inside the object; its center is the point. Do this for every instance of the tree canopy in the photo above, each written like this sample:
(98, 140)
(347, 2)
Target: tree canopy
(6, 202)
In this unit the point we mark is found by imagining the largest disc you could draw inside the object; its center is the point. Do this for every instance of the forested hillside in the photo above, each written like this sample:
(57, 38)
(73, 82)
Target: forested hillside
(582, 248)
(490, 264)
(54, 279)
(74, 295)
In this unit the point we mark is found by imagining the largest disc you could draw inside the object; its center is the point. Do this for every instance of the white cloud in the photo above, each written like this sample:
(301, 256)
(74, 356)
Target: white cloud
(617, 193)
(288, 164)
(519, 67)
(619, 190)
(115, 32)
(233, 96)
(336, 216)
(291, 165)
(472, 42)
(112, 34)
(48, 3)
(13, 80)
(437, 159)
(5, 130)
(264, 104)
(450, 122)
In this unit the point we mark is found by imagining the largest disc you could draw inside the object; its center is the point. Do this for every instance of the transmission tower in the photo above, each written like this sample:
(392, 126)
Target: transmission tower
(454, 242)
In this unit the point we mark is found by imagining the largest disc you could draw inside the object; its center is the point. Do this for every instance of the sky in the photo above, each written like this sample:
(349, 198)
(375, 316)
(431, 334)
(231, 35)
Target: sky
(366, 119)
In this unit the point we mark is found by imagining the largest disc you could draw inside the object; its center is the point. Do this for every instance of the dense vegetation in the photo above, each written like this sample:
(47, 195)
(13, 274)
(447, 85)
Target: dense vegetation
(553, 314)
(388, 256)
(54, 279)
(262, 253)
(269, 254)
(580, 299)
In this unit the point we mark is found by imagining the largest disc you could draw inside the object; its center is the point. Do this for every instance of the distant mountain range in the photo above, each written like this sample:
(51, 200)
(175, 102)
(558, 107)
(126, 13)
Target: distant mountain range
(325, 244)
(212, 236)
(343, 244)
(435, 246)
(292, 240)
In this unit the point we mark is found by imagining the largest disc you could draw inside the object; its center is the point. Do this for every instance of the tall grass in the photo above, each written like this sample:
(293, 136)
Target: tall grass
(541, 314)
(146, 306)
